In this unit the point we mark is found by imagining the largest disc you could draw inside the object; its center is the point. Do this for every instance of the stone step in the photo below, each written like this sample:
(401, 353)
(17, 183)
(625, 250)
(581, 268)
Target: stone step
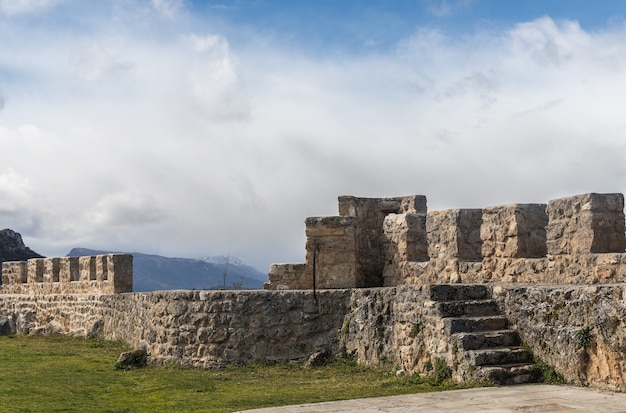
(474, 324)
(516, 373)
(499, 356)
(487, 339)
(459, 292)
(473, 308)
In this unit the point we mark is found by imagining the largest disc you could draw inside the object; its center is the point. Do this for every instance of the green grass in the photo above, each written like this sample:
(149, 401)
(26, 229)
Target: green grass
(61, 374)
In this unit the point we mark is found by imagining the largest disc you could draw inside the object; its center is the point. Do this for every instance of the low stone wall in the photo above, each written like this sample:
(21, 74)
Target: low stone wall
(200, 328)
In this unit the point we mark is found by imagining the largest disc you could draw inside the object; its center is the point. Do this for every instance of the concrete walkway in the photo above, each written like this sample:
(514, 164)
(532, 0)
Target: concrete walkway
(515, 399)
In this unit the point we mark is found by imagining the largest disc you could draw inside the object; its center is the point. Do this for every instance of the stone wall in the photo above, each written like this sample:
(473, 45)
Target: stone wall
(395, 327)
(200, 328)
(404, 241)
(565, 241)
(106, 274)
(580, 330)
(514, 231)
(370, 214)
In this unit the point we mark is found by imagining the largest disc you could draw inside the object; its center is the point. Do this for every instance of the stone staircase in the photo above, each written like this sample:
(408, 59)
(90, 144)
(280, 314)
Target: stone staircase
(482, 344)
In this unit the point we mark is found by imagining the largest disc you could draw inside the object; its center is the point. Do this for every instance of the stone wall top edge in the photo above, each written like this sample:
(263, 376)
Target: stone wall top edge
(588, 195)
(391, 198)
(515, 205)
(343, 220)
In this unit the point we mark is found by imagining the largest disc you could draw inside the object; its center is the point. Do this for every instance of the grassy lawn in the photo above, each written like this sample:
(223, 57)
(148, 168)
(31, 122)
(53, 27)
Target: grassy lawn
(61, 374)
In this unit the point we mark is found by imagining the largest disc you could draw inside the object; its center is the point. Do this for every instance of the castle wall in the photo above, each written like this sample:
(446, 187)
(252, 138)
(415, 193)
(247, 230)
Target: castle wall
(105, 274)
(200, 328)
(382, 326)
(565, 241)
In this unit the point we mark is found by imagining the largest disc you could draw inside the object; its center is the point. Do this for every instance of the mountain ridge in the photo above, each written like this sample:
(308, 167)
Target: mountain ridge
(154, 272)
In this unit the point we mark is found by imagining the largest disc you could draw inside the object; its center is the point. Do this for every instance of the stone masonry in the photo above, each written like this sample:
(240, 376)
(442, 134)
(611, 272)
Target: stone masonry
(106, 274)
(396, 286)
(578, 239)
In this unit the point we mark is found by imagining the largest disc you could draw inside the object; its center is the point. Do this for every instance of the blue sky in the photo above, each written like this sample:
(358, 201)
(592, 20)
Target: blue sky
(202, 128)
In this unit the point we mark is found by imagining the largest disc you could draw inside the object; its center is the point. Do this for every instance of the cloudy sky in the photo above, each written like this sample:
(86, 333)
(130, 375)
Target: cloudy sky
(194, 128)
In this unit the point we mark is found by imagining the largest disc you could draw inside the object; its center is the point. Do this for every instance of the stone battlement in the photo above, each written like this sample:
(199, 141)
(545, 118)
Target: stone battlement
(395, 241)
(104, 274)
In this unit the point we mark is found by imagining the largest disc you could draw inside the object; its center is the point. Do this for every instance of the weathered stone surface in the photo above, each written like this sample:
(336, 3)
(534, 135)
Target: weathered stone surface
(201, 328)
(111, 273)
(370, 214)
(514, 231)
(331, 252)
(288, 277)
(454, 234)
(404, 240)
(557, 321)
(588, 223)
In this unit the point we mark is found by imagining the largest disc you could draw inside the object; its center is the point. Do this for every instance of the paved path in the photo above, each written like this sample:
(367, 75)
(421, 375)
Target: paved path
(512, 399)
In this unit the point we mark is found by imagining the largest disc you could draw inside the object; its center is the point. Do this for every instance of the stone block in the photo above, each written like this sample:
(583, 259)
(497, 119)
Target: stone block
(587, 223)
(102, 272)
(14, 272)
(120, 271)
(404, 238)
(69, 269)
(514, 231)
(288, 276)
(35, 270)
(454, 233)
(51, 269)
(87, 268)
(331, 252)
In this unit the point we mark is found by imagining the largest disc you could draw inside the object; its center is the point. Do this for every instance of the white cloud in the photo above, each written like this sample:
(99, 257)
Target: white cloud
(17, 7)
(94, 62)
(168, 8)
(188, 144)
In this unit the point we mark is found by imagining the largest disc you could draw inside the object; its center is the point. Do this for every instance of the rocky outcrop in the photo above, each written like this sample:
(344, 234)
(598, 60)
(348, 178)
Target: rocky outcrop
(12, 247)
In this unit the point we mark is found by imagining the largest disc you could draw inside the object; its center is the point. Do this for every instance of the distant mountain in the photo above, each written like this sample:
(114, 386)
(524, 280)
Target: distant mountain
(12, 247)
(154, 272)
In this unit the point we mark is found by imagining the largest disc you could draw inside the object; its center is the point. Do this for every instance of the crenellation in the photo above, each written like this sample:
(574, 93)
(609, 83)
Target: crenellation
(35, 271)
(69, 269)
(87, 268)
(108, 274)
(454, 234)
(587, 223)
(51, 270)
(102, 270)
(514, 231)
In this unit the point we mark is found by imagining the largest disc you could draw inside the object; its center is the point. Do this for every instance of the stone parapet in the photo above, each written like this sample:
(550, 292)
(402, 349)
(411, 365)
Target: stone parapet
(514, 231)
(288, 277)
(454, 234)
(404, 240)
(106, 274)
(331, 259)
(587, 223)
(370, 214)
